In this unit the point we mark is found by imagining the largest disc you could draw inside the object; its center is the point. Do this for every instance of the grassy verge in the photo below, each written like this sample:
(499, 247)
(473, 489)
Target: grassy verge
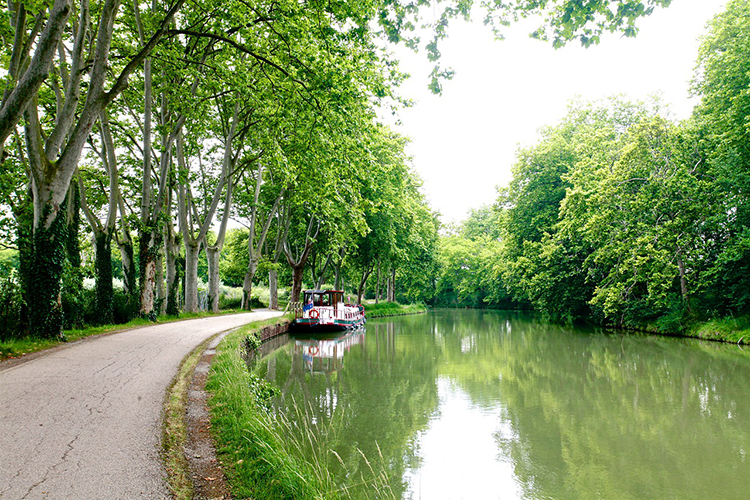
(393, 309)
(15, 348)
(257, 460)
(735, 330)
(174, 431)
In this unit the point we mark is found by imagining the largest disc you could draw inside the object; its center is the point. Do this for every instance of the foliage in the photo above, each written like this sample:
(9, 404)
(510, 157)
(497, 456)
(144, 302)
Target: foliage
(268, 113)
(11, 302)
(721, 82)
(234, 259)
(385, 309)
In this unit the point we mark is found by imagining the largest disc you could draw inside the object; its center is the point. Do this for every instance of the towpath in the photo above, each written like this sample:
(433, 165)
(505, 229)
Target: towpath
(84, 421)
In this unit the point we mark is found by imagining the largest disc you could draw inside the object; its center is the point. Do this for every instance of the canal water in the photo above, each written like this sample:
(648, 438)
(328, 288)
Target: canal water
(495, 405)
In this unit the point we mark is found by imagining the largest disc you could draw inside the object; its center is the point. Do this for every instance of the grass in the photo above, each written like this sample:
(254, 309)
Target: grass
(14, 348)
(735, 330)
(264, 454)
(383, 309)
(257, 460)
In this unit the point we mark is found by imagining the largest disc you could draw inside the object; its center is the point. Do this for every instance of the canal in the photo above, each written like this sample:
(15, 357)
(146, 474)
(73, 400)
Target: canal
(487, 405)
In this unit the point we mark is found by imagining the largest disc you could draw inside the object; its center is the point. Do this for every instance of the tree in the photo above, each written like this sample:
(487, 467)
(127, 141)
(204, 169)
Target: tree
(544, 252)
(103, 233)
(721, 82)
(53, 154)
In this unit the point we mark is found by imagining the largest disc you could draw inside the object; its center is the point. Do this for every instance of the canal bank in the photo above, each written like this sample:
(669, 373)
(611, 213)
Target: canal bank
(390, 309)
(256, 459)
(728, 330)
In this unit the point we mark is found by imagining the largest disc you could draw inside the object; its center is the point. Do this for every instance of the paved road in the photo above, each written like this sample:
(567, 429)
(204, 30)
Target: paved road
(84, 421)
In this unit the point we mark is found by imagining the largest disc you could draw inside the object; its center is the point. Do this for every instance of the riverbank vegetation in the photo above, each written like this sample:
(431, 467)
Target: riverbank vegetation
(621, 216)
(269, 454)
(384, 309)
(258, 461)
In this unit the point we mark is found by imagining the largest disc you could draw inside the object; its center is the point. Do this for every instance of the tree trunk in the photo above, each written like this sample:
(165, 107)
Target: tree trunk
(377, 285)
(45, 269)
(247, 284)
(128, 270)
(392, 286)
(363, 284)
(148, 252)
(75, 300)
(214, 284)
(24, 215)
(172, 250)
(298, 265)
(273, 289)
(683, 279)
(322, 277)
(192, 250)
(297, 273)
(104, 290)
(337, 281)
(161, 285)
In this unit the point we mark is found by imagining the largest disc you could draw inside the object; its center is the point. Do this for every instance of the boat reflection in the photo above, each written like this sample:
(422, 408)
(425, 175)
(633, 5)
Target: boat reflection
(326, 355)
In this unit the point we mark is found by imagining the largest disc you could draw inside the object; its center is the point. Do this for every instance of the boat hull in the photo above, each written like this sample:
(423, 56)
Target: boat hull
(313, 325)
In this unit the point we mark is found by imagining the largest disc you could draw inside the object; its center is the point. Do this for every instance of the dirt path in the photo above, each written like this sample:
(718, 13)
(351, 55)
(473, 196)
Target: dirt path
(84, 421)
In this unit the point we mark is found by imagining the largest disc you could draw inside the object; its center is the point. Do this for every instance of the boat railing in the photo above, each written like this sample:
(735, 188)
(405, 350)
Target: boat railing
(296, 308)
(329, 313)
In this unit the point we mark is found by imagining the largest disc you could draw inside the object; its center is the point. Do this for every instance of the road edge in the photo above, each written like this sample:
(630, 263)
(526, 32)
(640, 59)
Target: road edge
(175, 432)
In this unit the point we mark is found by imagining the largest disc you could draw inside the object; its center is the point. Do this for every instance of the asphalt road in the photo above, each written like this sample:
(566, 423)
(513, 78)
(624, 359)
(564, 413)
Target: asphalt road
(84, 421)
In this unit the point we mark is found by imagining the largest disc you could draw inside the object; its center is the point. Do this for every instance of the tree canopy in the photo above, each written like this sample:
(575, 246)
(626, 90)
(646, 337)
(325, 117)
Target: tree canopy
(163, 123)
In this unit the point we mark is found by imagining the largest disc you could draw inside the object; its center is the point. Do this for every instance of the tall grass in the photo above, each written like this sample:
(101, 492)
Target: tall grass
(268, 455)
(258, 462)
(736, 330)
(304, 438)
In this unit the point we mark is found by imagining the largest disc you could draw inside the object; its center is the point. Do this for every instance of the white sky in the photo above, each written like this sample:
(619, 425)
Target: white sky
(464, 142)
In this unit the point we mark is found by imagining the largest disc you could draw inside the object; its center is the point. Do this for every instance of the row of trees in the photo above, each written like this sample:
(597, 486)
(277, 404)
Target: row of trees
(159, 122)
(622, 215)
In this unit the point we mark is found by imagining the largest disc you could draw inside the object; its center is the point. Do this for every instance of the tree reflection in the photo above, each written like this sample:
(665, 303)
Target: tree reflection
(361, 396)
(611, 416)
(582, 414)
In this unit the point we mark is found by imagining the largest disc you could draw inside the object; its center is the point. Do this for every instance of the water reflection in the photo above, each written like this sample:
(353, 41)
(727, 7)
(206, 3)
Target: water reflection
(471, 404)
(326, 355)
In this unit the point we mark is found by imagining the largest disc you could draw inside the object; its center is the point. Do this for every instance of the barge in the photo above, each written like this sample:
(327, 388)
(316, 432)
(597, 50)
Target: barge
(325, 311)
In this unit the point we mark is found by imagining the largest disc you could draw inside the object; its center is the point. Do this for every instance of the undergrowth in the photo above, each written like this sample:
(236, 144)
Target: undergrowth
(736, 330)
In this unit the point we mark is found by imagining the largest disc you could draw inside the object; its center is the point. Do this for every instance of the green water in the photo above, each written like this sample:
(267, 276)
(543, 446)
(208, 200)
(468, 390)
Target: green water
(488, 405)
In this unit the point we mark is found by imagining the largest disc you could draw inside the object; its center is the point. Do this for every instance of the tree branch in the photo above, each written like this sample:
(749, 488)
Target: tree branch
(37, 72)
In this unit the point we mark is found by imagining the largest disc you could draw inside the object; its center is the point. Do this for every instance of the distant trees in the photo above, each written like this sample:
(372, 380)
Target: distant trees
(620, 215)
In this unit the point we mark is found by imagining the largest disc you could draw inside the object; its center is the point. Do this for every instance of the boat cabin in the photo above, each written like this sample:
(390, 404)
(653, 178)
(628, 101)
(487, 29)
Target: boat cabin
(323, 298)
(325, 309)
